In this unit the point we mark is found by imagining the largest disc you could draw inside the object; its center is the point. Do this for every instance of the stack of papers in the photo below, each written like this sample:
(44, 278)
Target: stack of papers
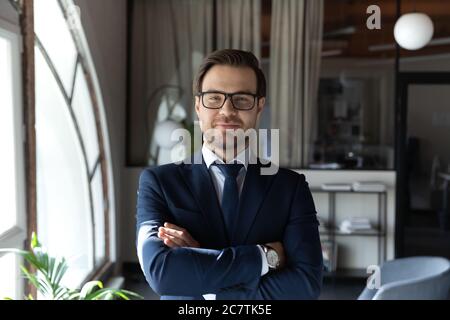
(355, 224)
(369, 186)
(336, 187)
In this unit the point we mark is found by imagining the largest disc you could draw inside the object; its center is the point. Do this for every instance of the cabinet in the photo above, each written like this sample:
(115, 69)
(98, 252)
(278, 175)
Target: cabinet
(332, 234)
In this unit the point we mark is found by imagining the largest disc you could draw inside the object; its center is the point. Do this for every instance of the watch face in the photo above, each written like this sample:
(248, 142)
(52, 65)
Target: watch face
(272, 258)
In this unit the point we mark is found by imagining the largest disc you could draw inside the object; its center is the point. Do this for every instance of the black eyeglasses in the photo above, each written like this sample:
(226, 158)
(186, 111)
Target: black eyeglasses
(216, 100)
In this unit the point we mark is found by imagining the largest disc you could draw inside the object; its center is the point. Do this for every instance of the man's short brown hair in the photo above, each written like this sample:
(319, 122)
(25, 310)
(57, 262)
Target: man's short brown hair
(235, 58)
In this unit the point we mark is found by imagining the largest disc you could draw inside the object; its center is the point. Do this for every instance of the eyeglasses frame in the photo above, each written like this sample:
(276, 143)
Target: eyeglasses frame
(228, 95)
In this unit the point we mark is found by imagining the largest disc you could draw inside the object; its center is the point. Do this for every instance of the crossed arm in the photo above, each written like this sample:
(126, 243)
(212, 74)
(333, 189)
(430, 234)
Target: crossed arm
(174, 263)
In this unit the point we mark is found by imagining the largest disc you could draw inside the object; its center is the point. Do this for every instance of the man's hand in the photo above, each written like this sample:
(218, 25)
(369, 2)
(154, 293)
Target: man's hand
(278, 247)
(175, 237)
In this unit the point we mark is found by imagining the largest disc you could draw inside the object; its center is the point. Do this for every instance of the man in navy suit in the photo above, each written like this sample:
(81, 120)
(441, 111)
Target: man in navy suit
(216, 228)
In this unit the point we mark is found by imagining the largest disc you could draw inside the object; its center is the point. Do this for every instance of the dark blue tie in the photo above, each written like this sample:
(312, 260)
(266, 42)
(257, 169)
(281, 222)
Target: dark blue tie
(230, 196)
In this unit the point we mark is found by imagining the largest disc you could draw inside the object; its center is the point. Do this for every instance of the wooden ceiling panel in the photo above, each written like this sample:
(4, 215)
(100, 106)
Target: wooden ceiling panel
(345, 29)
(365, 43)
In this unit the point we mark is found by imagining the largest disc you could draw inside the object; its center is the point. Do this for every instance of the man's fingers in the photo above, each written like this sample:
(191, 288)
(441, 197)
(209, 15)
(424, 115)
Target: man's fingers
(170, 243)
(183, 236)
(167, 240)
(179, 242)
(180, 234)
(173, 240)
(175, 233)
(163, 236)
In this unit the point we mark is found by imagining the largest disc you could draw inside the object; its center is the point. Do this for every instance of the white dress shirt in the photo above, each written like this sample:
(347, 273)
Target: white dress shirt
(219, 181)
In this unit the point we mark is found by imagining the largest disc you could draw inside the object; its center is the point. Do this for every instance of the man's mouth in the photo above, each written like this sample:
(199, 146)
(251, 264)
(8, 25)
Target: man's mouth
(224, 125)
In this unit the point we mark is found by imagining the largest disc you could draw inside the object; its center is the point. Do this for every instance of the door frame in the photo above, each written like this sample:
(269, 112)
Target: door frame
(404, 80)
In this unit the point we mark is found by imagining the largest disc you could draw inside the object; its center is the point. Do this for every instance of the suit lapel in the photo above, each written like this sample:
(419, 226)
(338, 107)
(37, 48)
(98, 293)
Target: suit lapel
(200, 184)
(253, 193)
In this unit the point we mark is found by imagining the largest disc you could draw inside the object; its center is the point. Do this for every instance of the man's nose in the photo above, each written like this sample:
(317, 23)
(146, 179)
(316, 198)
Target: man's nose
(228, 108)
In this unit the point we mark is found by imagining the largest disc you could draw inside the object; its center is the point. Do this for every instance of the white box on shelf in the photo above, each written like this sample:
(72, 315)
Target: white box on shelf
(369, 186)
(336, 187)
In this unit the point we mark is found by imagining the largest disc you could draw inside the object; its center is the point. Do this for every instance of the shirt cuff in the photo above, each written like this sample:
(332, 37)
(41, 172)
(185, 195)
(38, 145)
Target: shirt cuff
(209, 296)
(265, 264)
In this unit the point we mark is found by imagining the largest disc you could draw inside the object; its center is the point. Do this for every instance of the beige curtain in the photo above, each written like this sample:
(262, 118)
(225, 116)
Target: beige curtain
(239, 25)
(313, 59)
(296, 34)
(169, 39)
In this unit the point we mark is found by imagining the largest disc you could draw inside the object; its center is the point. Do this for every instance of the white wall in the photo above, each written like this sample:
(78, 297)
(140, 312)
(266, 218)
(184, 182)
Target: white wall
(105, 25)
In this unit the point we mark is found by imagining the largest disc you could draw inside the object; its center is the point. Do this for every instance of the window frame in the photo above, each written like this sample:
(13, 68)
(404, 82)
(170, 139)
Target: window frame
(106, 268)
(15, 236)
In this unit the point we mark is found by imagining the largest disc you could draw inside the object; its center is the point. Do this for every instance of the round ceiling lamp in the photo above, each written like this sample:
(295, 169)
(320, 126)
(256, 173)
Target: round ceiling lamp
(413, 31)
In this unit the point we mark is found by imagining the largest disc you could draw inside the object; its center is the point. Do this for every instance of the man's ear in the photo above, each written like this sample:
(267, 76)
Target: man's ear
(261, 104)
(197, 105)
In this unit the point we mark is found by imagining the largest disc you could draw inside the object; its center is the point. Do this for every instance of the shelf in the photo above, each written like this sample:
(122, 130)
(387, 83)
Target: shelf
(333, 234)
(320, 190)
(371, 233)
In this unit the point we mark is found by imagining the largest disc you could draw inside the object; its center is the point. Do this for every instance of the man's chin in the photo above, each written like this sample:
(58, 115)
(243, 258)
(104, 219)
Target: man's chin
(227, 142)
(225, 138)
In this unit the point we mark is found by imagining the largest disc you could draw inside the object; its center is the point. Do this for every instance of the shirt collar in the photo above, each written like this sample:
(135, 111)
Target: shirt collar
(210, 157)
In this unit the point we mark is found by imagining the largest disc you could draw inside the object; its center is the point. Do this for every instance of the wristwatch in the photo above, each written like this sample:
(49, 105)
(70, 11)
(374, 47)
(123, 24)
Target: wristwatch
(273, 260)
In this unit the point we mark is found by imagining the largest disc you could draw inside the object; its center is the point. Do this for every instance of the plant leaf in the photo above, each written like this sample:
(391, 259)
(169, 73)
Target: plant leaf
(74, 296)
(120, 295)
(61, 292)
(108, 293)
(31, 277)
(132, 294)
(34, 241)
(103, 294)
(50, 271)
(89, 287)
(58, 271)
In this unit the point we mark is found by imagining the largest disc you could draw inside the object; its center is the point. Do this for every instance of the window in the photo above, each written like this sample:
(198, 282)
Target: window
(12, 202)
(74, 196)
(347, 120)
(355, 106)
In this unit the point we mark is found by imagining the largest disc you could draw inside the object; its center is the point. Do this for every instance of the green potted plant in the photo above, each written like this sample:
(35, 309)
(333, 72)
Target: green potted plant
(49, 273)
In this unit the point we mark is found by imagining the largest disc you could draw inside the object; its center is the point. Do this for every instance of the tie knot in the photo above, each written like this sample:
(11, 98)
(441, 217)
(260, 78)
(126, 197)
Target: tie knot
(230, 169)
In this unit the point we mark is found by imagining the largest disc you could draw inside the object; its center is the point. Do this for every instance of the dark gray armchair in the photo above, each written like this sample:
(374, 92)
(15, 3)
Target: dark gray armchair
(413, 278)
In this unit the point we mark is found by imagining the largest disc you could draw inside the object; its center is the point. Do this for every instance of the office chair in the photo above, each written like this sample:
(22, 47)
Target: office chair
(413, 278)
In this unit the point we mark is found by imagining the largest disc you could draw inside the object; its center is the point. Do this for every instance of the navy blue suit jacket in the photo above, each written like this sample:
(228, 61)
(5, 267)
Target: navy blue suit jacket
(272, 208)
